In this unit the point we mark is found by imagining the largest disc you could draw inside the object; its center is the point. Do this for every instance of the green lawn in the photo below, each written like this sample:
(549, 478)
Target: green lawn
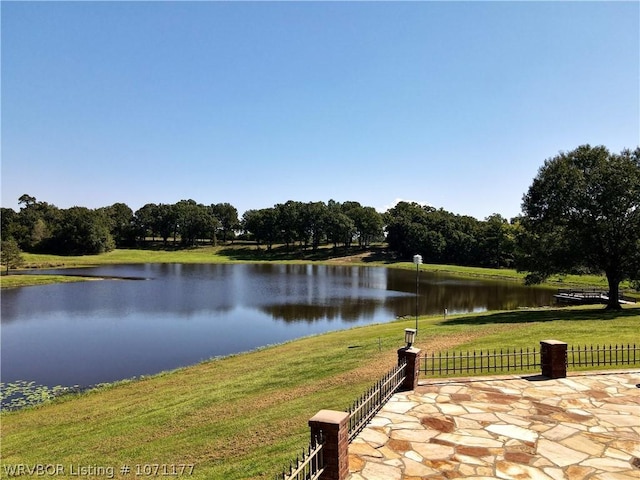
(245, 416)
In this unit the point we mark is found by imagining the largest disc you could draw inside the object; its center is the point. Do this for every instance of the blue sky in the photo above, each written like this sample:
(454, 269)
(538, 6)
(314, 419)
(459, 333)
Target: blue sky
(454, 104)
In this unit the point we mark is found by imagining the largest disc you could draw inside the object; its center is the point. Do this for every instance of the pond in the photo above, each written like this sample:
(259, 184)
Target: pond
(154, 317)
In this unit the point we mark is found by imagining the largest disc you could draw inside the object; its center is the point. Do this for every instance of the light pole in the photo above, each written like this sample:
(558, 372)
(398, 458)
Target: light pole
(417, 259)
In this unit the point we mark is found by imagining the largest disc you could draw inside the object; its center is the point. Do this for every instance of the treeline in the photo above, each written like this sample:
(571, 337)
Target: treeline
(408, 228)
(42, 227)
(442, 237)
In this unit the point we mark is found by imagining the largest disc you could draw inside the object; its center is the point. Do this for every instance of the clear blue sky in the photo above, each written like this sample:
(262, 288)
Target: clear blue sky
(453, 104)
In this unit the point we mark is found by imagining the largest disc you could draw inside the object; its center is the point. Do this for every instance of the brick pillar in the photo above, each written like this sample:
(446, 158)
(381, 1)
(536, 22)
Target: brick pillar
(412, 356)
(335, 431)
(553, 356)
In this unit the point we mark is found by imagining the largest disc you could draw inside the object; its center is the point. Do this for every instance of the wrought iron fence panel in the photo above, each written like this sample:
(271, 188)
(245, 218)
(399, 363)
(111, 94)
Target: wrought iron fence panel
(309, 466)
(365, 408)
(475, 362)
(602, 355)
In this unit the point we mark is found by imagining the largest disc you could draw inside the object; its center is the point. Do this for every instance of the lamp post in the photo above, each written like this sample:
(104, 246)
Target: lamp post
(409, 336)
(417, 259)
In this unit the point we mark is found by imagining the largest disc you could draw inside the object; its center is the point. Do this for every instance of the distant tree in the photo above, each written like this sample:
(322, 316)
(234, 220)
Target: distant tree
(145, 221)
(287, 218)
(194, 221)
(582, 211)
(227, 215)
(37, 221)
(340, 228)
(27, 200)
(10, 225)
(10, 254)
(263, 225)
(352, 210)
(407, 233)
(82, 231)
(369, 225)
(313, 216)
(497, 242)
(166, 221)
(121, 223)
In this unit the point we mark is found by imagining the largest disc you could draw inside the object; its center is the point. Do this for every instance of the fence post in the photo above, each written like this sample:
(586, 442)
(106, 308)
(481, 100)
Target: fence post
(335, 452)
(410, 355)
(553, 357)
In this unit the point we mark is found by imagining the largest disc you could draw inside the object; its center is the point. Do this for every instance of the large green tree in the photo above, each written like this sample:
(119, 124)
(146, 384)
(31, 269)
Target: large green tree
(582, 213)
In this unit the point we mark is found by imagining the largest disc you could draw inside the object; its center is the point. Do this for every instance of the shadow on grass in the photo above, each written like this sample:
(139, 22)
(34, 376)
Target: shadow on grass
(535, 316)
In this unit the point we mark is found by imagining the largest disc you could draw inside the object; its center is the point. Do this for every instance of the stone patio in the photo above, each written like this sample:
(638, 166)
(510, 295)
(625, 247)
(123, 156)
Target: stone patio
(585, 426)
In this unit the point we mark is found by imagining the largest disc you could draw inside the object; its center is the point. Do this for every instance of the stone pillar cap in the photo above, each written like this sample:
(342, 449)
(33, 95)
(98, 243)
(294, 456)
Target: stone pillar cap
(410, 350)
(553, 342)
(329, 416)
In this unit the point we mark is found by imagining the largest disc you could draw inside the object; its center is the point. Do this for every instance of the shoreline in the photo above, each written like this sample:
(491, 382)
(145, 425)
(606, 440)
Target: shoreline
(246, 255)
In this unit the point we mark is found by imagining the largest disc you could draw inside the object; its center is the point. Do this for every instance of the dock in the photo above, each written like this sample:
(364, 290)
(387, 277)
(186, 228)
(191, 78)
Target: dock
(588, 297)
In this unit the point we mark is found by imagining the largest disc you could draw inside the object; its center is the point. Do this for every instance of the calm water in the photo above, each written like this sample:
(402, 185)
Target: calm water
(166, 316)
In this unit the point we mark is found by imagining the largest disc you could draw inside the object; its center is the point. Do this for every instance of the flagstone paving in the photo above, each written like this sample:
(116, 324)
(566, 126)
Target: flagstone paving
(584, 427)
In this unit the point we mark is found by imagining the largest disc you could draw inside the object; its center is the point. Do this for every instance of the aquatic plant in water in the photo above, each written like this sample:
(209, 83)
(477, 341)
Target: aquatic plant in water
(20, 394)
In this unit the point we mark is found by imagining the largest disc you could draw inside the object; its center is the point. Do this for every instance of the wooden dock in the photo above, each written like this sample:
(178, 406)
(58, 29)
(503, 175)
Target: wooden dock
(588, 297)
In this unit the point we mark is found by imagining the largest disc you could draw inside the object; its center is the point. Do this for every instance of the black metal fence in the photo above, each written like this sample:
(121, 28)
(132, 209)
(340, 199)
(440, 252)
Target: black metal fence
(309, 466)
(476, 362)
(365, 408)
(603, 355)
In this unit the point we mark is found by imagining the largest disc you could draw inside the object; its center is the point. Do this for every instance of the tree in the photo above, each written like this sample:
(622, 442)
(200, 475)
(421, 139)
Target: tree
(10, 226)
(36, 222)
(368, 222)
(582, 212)
(27, 200)
(497, 242)
(120, 223)
(10, 254)
(145, 220)
(194, 221)
(165, 222)
(82, 231)
(314, 218)
(263, 224)
(287, 216)
(340, 229)
(227, 215)
(408, 233)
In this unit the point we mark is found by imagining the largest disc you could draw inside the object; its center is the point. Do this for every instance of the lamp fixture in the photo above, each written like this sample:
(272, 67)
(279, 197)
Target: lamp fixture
(409, 336)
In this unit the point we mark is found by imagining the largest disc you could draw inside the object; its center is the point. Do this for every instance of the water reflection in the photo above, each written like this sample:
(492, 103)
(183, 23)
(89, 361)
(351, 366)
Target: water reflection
(90, 332)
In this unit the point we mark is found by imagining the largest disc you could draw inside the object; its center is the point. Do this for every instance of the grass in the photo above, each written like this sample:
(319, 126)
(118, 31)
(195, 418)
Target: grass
(245, 416)
(12, 281)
